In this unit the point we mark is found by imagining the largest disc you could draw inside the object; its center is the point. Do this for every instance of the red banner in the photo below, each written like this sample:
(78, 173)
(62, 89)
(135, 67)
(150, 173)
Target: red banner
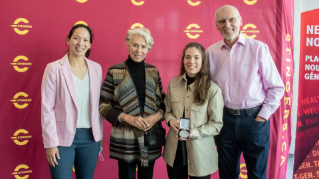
(33, 33)
(307, 133)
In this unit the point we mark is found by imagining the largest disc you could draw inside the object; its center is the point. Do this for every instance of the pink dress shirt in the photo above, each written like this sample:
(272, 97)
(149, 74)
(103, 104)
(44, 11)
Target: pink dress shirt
(247, 75)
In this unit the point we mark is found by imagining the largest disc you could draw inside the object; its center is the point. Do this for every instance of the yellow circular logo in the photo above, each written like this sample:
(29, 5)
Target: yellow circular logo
(288, 37)
(21, 174)
(136, 25)
(250, 2)
(190, 2)
(16, 65)
(243, 170)
(81, 22)
(137, 3)
(16, 26)
(16, 138)
(81, 1)
(16, 101)
(190, 31)
(252, 32)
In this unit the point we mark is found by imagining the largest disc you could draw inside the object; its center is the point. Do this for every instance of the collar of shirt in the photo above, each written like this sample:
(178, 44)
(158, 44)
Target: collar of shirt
(241, 39)
(184, 80)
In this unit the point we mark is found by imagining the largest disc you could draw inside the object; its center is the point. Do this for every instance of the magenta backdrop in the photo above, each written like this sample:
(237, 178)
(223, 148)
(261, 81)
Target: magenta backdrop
(33, 33)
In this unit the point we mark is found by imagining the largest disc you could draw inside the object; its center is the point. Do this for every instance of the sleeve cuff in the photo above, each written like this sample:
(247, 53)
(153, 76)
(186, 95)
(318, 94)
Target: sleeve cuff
(113, 116)
(195, 134)
(264, 113)
(168, 118)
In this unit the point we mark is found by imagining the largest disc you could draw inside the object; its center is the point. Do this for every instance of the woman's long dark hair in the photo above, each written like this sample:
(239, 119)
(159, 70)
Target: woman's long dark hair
(88, 29)
(202, 79)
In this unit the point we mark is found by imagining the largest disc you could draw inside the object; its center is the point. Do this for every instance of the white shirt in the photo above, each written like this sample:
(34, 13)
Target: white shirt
(83, 100)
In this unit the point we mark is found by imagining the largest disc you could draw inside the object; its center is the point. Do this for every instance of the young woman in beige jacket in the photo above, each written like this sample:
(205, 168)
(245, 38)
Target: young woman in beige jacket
(193, 95)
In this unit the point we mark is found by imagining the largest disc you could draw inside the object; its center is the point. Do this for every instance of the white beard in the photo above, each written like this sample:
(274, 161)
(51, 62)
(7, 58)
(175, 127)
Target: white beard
(229, 37)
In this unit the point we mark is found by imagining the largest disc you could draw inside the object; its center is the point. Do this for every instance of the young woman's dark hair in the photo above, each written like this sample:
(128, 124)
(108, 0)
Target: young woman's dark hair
(90, 32)
(202, 79)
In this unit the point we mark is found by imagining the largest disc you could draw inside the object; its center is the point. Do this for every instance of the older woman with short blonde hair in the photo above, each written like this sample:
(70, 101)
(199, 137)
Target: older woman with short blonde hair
(132, 100)
(141, 32)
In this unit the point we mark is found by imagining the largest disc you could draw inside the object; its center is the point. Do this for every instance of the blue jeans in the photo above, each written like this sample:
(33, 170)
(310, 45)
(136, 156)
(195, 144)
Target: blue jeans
(83, 153)
(241, 133)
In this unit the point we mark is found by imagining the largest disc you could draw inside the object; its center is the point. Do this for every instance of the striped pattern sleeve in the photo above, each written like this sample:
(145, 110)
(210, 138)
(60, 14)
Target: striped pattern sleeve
(162, 105)
(106, 107)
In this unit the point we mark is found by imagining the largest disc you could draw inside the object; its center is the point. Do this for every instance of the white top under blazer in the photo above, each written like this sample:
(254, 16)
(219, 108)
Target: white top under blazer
(83, 100)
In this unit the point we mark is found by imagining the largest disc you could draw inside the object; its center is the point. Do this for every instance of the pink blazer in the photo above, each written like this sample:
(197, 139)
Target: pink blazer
(58, 103)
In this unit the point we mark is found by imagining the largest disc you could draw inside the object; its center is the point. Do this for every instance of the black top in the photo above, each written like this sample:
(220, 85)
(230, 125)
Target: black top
(190, 80)
(137, 72)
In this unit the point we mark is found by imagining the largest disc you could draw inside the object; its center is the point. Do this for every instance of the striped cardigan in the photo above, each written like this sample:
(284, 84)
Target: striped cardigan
(118, 94)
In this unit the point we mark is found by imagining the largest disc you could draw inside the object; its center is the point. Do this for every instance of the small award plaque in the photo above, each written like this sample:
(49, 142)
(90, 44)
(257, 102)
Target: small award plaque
(184, 128)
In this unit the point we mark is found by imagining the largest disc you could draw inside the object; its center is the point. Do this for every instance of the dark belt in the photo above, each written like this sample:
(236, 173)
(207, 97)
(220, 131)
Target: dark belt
(238, 112)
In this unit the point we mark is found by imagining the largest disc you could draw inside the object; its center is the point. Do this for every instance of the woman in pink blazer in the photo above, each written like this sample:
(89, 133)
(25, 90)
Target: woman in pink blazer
(71, 125)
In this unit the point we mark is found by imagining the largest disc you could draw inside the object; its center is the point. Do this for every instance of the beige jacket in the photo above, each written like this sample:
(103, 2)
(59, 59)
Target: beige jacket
(206, 122)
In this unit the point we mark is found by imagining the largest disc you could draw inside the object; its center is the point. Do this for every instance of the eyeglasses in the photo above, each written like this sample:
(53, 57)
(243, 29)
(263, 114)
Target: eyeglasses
(230, 20)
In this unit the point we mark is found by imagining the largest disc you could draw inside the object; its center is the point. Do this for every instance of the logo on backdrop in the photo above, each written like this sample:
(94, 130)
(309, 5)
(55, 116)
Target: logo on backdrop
(19, 66)
(250, 31)
(190, 2)
(81, 1)
(21, 26)
(21, 139)
(137, 3)
(81, 22)
(16, 101)
(21, 172)
(243, 171)
(193, 33)
(136, 25)
(250, 2)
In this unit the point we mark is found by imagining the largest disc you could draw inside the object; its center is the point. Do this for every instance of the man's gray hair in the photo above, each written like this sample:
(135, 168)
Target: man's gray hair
(225, 6)
(144, 32)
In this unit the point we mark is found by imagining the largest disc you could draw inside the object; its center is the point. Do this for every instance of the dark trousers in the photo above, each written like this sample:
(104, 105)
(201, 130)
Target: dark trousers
(181, 172)
(83, 153)
(241, 133)
(180, 167)
(128, 170)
